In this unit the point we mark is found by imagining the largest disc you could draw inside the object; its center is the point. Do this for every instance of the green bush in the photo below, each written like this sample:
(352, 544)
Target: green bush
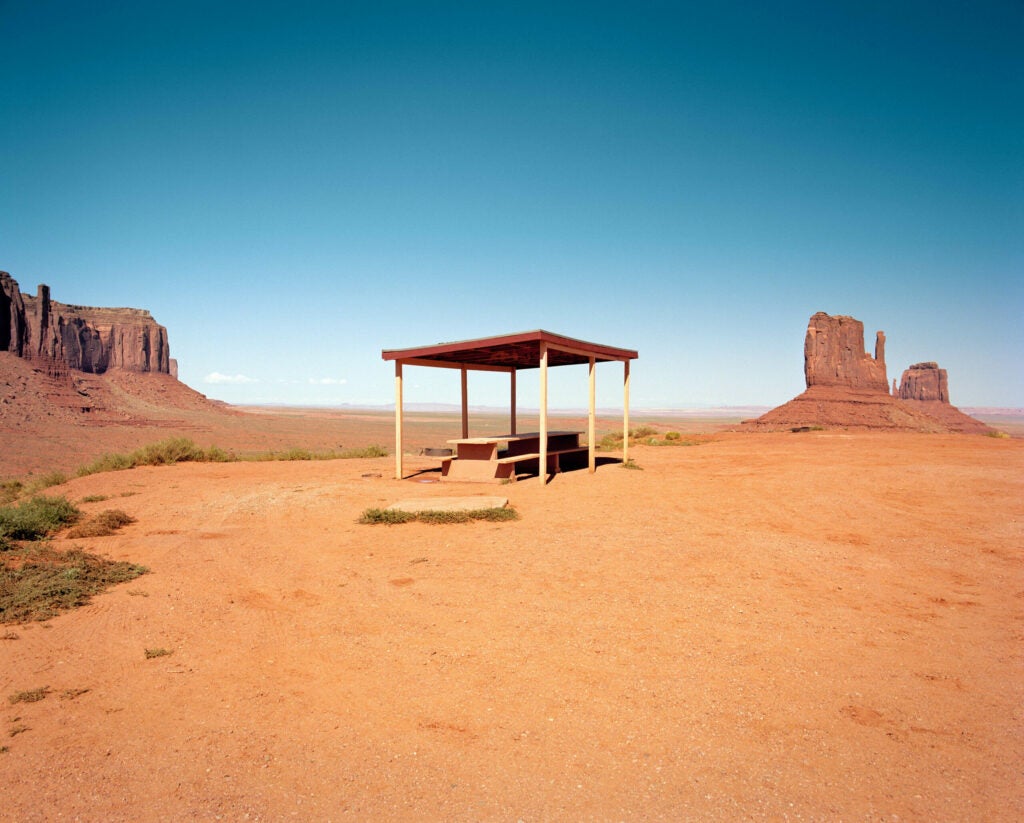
(36, 517)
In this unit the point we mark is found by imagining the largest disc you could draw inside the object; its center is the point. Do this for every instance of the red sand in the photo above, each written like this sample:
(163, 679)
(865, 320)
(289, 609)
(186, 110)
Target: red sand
(780, 626)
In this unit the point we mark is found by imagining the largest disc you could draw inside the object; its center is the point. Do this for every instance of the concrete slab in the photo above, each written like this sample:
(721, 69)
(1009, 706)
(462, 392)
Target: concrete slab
(448, 504)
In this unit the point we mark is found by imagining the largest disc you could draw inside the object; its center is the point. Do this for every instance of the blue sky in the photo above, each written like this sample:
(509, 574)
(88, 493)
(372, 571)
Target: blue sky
(292, 187)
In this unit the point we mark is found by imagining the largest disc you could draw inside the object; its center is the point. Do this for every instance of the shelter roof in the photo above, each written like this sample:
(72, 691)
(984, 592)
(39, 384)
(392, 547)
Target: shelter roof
(513, 351)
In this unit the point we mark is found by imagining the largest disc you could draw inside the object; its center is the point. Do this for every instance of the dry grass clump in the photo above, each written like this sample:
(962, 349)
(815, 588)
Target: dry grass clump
(376, 517)
(103, 524)
(37, 582)
(29, 696)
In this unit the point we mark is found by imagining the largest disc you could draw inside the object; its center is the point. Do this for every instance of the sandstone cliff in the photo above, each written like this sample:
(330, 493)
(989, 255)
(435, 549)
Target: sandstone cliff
(80, 338)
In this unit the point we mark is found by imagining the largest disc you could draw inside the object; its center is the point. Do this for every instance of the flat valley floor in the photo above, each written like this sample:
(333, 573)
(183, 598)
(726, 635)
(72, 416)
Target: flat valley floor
(814, 626)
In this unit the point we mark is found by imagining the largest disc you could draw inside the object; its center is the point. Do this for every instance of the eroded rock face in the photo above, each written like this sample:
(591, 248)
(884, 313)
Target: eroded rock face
(12, 315)
(834, 354)
(81, 338)
(925, 381)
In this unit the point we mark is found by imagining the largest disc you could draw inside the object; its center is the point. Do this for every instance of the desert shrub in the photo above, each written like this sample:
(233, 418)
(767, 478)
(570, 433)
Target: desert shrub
(631, 464)
(103, 524)
(106, 463)
(368, 451)
(642, 431)
(672, 435)
(610, 442)
(37, 583)
(36, 517)
(164, 453)
(45, 481)
(215, 454)
(168, 452)
(997, 434)
(151, 653)
(10, 490)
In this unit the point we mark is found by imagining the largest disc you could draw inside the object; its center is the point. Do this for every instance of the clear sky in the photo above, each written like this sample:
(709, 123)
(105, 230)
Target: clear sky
(291, 187)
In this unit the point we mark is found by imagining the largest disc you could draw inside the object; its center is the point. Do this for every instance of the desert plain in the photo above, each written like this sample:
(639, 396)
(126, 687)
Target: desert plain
(822, 625)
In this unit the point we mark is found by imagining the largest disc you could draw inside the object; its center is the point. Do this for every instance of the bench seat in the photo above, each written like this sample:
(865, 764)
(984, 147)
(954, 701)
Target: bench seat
(517, 458)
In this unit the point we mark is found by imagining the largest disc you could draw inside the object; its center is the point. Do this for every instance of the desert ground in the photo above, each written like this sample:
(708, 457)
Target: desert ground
(814, 626)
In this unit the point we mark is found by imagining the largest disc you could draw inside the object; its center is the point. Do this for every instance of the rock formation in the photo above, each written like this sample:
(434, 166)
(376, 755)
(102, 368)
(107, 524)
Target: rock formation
(80, 338)
(925, 387)
(925, 381)
(834, 354)
(848, 388)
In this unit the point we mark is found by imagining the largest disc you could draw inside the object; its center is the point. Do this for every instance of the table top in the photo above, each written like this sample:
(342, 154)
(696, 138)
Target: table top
(508, 438)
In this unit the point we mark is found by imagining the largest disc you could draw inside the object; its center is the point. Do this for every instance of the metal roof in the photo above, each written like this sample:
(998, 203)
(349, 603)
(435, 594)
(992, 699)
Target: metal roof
(513, 351)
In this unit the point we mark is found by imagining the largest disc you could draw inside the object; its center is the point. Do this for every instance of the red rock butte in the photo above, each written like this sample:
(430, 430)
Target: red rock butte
(81, 338)
(68, 363)
(848, 388)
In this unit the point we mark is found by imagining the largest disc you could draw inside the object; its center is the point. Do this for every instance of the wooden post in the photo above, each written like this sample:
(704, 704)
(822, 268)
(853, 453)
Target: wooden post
(398, 420)
(591, 418)
(625, 411)
(542, 464)
(465, 404)
(512, 415)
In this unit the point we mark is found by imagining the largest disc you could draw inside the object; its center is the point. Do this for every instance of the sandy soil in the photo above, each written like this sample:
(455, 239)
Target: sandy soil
(815, 626)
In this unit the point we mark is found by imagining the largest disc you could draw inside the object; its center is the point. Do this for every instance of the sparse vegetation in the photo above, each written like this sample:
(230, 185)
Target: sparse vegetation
(494, 515)
(36, 518)
(631, 464)
(151, 653)
(103, 524)
(37, 583)
(164, 453)
(182, 450)
(387, 517)
(393, 516)
(45, 481)
(10, 490)
(306, 454)
(647, 436)
(95, 498)
(29, 696)
(997, 434)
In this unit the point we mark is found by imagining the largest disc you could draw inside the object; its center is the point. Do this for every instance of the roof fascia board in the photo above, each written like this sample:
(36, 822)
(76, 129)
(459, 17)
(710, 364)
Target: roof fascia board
(448, 364)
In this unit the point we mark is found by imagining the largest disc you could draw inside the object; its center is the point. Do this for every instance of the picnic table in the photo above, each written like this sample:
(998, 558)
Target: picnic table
(501, 457)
